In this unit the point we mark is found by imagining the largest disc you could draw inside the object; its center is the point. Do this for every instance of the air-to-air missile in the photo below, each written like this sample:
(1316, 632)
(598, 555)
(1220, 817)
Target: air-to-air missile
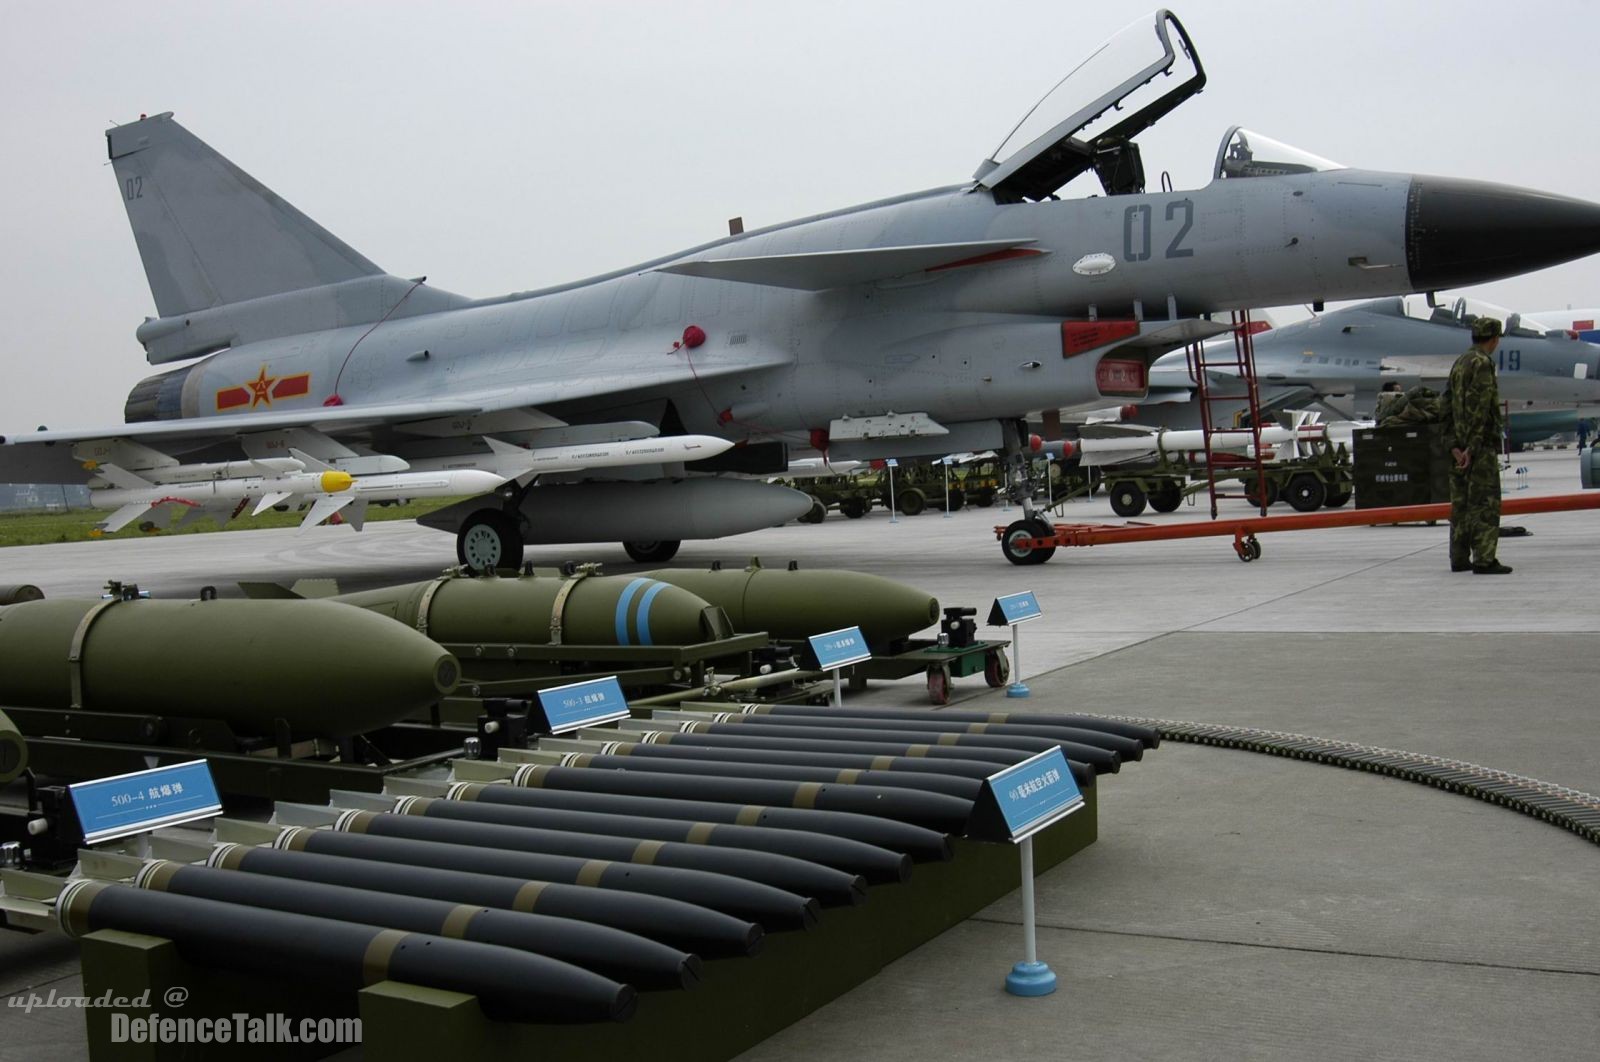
(13, 750)
(1076, 739)
(936, 811)
(1147, 737)
(921, 844)
(15, 595)
(220, 486)
(872, 863)
(1102, 760)
(962, 788)
(781, 878)
(795, 604)
(345, 956)
(590, 742)
(387, 864)
(769, 907)
(323, 669)
(609, 952)
(585, 609)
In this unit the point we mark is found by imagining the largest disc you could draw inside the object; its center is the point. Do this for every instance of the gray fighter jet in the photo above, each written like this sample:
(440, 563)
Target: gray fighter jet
(930, 323)
(1338, 361)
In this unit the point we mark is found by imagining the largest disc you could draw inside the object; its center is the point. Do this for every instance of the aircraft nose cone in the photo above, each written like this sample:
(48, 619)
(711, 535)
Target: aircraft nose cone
(1467, 232)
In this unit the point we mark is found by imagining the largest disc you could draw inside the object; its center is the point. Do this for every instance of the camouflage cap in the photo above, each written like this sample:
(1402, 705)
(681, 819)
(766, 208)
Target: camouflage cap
(1486, 328)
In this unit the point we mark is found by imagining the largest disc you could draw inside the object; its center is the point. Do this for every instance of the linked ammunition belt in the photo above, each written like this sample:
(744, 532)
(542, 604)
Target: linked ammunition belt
(1570, 809)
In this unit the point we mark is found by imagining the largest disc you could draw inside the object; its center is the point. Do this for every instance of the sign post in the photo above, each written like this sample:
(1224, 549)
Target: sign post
(1015, 804)
(1014, 609)
(839, 649)
(894, 514)
(580, 704)
(126, 804)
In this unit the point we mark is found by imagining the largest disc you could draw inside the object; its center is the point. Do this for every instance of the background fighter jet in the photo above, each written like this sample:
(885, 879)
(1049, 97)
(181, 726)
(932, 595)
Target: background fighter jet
(1337, 362)
(929, 323)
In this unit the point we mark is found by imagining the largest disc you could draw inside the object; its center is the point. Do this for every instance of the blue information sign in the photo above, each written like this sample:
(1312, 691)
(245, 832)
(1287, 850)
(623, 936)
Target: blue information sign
(1035, 793)
(1014, 608)
(582, 704)
(126, 804)
(840, 648)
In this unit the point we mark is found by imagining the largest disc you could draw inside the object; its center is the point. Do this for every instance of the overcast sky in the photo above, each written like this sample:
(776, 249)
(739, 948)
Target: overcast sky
(497, 147)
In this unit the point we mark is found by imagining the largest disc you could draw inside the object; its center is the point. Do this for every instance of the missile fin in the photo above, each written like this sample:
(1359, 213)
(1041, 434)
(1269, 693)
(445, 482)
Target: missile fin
(123, 517)
(268, 501)
(122, 478)
(357, 516)
(312, 464)
(324, 507)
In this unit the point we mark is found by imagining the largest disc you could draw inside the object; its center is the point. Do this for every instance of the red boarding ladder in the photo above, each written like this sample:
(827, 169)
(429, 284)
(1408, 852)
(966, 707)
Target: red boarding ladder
(1239, 362)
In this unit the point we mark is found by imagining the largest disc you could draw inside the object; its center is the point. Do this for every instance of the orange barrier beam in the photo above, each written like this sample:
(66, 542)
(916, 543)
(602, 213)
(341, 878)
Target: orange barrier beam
(1244, 530)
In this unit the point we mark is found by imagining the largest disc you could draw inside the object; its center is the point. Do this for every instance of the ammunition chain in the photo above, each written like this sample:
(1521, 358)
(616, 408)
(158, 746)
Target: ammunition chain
(1570, 809)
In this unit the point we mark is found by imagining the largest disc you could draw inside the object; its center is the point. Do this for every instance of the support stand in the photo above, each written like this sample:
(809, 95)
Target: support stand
(1030, 977)
(1017, 688)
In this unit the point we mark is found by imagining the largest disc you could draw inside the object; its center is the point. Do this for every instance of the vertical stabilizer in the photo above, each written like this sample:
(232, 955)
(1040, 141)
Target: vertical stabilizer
(209, 233)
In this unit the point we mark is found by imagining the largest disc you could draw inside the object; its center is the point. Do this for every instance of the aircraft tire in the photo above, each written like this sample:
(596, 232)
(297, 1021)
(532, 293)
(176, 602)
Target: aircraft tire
(1025, 555)
(652, 552)
(489, 540)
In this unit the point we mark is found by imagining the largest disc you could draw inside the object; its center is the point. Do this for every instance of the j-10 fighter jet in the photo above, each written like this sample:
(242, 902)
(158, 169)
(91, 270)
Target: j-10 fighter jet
(929, 323)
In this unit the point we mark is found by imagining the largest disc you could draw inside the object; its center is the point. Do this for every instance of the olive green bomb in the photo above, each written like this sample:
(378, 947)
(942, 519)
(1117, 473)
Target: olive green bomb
(583, 609)
(324, 670)
(13, 750)
(796, 603)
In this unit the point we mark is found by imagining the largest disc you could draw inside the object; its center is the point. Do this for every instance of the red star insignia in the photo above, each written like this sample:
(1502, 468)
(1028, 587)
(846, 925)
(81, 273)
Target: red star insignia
(261, 388)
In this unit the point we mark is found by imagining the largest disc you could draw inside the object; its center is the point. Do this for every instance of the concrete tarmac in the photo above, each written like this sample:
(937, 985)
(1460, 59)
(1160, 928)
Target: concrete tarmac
(1236, 906)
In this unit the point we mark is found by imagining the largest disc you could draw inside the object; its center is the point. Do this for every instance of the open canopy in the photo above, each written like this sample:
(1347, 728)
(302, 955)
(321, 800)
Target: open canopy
(1127, 85)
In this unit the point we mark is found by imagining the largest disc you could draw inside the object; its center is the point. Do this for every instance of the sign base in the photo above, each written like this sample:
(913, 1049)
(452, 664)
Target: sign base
(1031, 979)
(1017, 689)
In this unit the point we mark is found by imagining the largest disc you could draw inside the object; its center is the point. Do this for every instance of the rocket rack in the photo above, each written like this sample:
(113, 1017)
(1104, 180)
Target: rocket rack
(1040, 548)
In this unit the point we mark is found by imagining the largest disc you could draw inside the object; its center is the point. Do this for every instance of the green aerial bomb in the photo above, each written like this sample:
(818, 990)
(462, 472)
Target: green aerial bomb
(13, 750)
(583, 609)
(796, 604)
(12, 595)
(323, 669)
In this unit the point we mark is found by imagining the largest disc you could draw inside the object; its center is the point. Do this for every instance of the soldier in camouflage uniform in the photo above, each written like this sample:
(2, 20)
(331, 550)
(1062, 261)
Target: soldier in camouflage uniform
(1474, 428)
(1389, 401)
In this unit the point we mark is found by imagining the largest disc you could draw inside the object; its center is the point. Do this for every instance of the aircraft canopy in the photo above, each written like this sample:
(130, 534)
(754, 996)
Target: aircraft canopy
(1249, 154)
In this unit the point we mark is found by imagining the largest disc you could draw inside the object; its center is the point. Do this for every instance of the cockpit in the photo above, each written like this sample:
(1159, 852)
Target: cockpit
(1464, 311)
(1127, 85)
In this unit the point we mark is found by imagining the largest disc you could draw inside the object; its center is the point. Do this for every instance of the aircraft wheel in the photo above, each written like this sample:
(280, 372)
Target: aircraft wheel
(938, 685)
(1305, 493)
(957, 499)
(1168, 498)
(996, 668)
(816, 514)
(1127, 499)
(489, 539)
(912, 502)
(854, 508)
(1012, 542)
(652, 552)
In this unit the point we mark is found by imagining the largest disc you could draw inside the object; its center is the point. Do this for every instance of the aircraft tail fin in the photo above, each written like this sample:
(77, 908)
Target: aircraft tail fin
(210, 234)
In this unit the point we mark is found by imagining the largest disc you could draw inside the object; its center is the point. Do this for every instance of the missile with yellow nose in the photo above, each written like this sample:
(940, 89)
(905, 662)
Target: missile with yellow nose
(795, 604)
(133, 495)
(325, 670)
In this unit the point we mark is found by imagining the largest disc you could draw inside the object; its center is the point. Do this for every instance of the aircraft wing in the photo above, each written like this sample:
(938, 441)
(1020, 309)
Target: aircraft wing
(35, 457)
(822, 270)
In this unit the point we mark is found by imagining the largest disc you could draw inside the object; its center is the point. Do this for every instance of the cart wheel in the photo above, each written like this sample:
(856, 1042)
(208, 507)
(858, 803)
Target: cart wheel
(996, 668)
(956, 498)
(1127, 499)
(1250, 492)
(1337, 498)
(853, 508)
(1305, 493)
(984, 499)
(816, 514)
(1167, 498)
(938, 685)
(1013, 542)
(1247, 548)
